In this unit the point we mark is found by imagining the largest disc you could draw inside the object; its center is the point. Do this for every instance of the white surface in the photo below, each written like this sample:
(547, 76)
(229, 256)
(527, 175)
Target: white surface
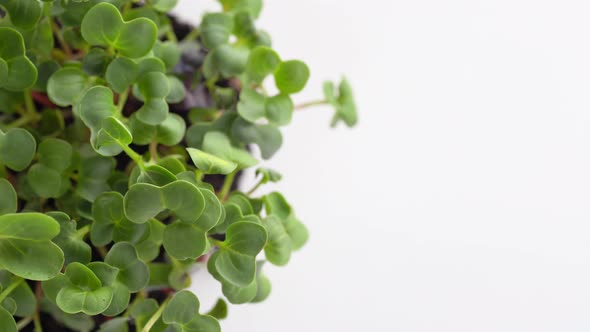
(461, 202)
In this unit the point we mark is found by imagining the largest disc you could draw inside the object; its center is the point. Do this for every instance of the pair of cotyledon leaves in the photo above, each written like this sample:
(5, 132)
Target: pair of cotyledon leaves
(343, 102)
(99, 287)
(17, 72)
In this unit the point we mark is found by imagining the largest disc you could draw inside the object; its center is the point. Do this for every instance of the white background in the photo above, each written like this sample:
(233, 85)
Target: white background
(460, 202)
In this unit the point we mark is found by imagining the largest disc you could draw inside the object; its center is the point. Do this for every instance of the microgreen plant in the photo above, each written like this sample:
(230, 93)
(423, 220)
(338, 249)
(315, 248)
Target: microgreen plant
(122, 136)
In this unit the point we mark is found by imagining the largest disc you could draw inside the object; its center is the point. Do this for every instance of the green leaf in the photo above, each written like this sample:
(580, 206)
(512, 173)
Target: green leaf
(345, 105)
(144, 201)
(251, 105)
(261, 62)
(279, 109)
(297, 232)
(269, 175)
(210, 164)
(154, 87)
(149, 248)
(133, 273)
(17, 148)
(7, 323)
(267, 137)
(291, 76)
(237, 255)
(97, 111)
(76, 322)
(163, 5)
(184, 241)
(234, 294)
(278, 247)
(183, 311)
(189, 240)
(103, 25)
(156, 175)
(9, 202)
(218, 144)
(264, 286)
(219, 310)
(23, 13)
(73, 247)
(119, 324)
(55, 154)
(121, 74)
(46, 182)
(177, 90)
(94, 174)
(17, 72)
(67, 85)
(276, 204)
(171, 131)
(112, 136)
(253, 7)
(230, 60)
(110, 223)
(96, 61)
(84, 292)
(26, 248)
(22, 295)
(216, 29)
(169, 52)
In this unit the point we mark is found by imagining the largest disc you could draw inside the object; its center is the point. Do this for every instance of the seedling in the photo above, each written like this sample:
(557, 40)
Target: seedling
(122, 136)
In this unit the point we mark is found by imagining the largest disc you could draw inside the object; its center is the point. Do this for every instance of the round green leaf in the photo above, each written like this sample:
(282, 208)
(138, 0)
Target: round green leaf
(55, 154)
(267, 137)
(7, 322)
(8, 203)
(210, 164)
(261, 62)
(17, 148)
(251, 105)
(133, 273)
(103, 25)
(121, 73)
(216, 29)
(278, 248)
(26, 248)
(46, 182)
(279, 109)
(20, 72)
(171, 131)
(23, 13)
(291, 76)
(66, 86)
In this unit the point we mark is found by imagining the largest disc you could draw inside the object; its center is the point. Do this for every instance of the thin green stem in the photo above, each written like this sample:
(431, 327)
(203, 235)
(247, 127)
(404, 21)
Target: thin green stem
(134, 156)
(194, 34)
(81, 233)
(148, 326)
(37, 320)
(311, 103)
(251, 191)
(102, 251)
(171, 36)
(17, 281)
(122, 100)
(23, 120)
(227, 183)
(21, 324)
(60, 39)
(199, 175)
(30, 105)
(154, 150)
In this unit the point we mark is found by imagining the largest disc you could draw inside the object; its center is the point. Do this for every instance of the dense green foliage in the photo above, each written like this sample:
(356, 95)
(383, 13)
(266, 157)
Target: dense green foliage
(119, 147)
